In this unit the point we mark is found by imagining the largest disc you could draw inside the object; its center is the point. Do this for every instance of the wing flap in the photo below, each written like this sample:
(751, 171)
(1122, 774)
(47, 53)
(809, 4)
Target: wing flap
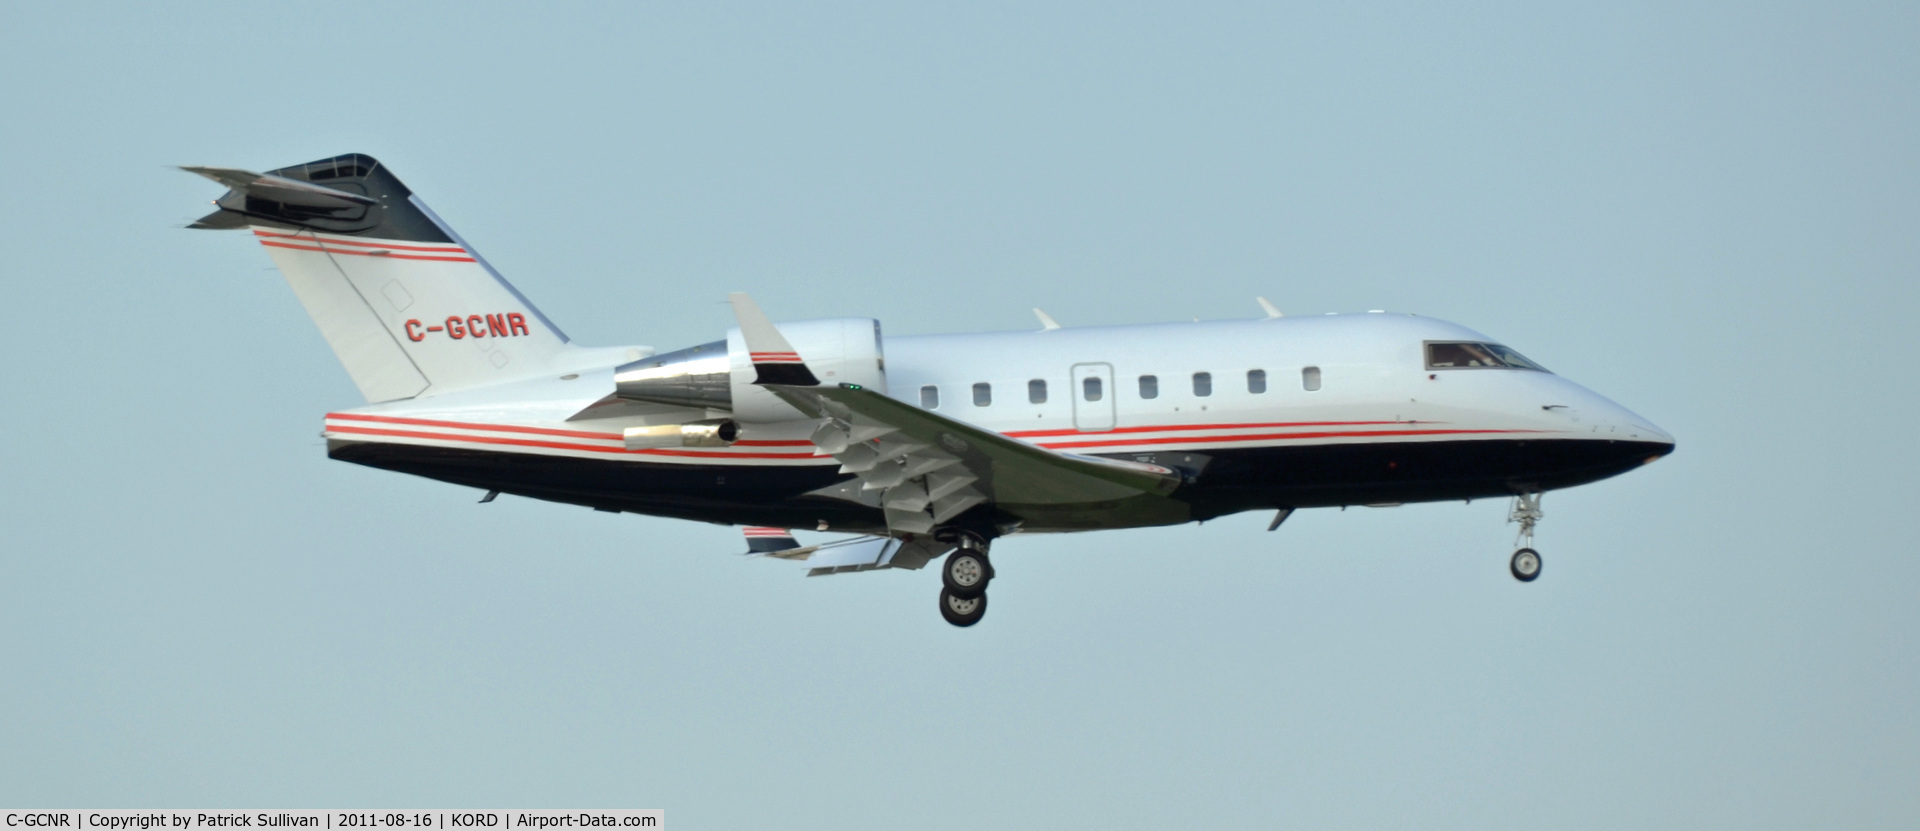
(929, 469)
(1017, 471)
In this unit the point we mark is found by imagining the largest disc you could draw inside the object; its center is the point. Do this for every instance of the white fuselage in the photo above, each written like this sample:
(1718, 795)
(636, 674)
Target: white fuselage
(1372, 385)
(1288, 411)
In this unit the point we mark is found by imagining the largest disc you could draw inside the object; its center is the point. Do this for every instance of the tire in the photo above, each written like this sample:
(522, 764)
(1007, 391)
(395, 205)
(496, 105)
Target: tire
(966, 573)
(1525, 565)
(962, 611)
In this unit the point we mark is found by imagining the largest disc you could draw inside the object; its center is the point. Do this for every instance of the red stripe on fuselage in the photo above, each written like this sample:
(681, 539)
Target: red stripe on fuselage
(1327, 434)
(554, 445)
(1169, 441)
(462, 425)
(1030, 434)
(539, 431)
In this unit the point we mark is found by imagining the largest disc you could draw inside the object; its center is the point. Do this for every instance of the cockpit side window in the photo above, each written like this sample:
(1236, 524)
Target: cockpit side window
(1470, 355)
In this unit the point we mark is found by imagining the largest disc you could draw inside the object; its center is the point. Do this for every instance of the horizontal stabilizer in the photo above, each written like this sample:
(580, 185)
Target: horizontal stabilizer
(279, 187)
(352, 194)
(220, 221)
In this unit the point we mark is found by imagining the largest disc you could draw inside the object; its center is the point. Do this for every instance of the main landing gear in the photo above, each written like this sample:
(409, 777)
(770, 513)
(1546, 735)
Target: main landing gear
(1525, 564)
(962, 611)
(964, 578)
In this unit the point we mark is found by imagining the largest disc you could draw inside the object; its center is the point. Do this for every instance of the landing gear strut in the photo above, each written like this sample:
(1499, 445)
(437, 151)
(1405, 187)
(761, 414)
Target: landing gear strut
(1525, 564)
(964, 578)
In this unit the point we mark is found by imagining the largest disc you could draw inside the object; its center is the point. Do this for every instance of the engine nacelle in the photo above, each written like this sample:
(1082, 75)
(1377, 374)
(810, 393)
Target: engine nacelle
(839, 351)
(720, 376)
(697, 376)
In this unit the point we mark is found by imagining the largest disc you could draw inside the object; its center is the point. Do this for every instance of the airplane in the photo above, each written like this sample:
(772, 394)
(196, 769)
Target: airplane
(918, 448)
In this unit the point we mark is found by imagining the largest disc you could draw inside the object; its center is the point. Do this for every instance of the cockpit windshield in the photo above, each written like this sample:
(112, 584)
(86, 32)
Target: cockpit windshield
(1468, 355)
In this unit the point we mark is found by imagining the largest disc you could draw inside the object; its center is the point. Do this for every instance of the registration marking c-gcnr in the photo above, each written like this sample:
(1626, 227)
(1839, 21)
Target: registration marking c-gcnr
(508, 325)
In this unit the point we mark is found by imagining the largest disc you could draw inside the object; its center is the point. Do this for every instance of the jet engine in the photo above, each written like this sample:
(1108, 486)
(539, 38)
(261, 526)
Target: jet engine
(697, 377)
(720, 375)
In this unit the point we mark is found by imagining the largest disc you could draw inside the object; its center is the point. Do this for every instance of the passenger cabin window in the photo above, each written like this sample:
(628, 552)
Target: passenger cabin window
(1149, 386)
(1468, 355)
(982, 394)
(1203, 384)
(1310, 378)
(930, 397)
(1090, 389)
(1256, 381)
(1037, 391)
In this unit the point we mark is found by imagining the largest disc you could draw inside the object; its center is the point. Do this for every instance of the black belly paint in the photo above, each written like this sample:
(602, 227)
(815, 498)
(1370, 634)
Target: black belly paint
(1221, 481)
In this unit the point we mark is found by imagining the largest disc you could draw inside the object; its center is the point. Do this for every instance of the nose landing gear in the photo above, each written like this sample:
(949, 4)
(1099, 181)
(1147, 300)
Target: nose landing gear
(1525, 564)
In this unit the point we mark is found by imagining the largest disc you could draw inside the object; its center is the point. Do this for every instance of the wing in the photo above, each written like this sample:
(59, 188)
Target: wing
(928, 469)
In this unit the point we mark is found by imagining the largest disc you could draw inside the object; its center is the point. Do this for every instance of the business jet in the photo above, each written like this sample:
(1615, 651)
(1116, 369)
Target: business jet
(915, 448)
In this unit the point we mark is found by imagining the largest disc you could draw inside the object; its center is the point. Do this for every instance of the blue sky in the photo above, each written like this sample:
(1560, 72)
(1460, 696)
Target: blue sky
(1706, 213)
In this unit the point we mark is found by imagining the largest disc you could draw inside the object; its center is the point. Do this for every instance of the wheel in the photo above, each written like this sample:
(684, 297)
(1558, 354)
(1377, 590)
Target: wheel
(1525, 565)
(962, 611)
(966, 573)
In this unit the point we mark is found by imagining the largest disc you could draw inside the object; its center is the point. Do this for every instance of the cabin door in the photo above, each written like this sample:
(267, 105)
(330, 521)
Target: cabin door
(1093, 397)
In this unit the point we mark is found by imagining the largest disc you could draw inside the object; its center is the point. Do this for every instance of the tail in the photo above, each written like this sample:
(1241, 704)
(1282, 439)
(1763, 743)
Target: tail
(408, 307)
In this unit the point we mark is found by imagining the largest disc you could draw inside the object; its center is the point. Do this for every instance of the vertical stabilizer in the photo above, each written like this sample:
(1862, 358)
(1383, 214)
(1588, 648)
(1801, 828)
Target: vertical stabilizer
(409, 308)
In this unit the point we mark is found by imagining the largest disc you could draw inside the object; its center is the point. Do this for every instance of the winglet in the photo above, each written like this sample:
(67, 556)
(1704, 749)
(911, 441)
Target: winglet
(1272, 312)
(773, 357)
(1047, 323)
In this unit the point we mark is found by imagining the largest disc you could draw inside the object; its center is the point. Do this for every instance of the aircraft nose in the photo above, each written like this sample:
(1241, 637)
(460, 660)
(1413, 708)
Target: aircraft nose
(1579, 410)
(1661, 440)
(1632, 427)
(1658, 435)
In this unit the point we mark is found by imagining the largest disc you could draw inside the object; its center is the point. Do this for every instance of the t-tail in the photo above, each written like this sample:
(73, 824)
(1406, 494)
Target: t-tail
(407, 305)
